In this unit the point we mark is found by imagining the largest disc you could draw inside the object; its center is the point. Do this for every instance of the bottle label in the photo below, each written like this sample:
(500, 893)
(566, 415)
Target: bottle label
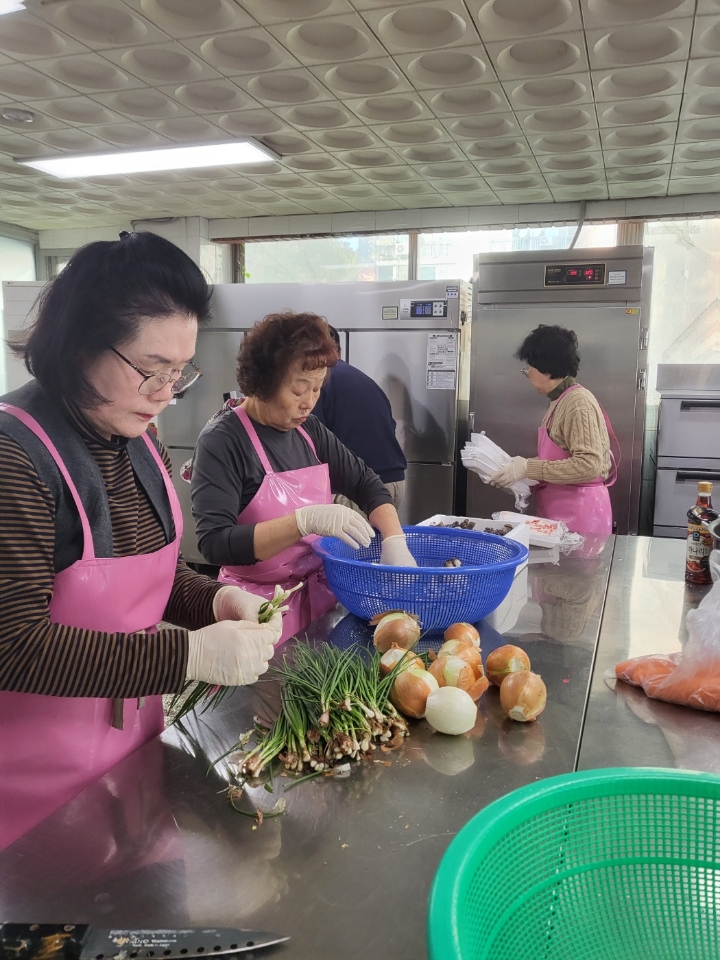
(699, 547)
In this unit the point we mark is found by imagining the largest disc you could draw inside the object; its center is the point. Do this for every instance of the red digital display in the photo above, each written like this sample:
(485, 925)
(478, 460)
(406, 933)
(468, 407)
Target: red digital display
(572, 273)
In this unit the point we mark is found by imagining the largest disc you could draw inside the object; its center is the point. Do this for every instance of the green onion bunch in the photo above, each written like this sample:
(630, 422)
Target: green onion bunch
(334, 707)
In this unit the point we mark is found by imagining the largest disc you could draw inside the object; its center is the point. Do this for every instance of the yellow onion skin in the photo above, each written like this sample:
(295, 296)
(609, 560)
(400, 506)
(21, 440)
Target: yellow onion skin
(523, 696)
(399, 628)
(453, 672)
(462, 631)
(504, 661)
(389, 661)
(410, 692)
(467, 651)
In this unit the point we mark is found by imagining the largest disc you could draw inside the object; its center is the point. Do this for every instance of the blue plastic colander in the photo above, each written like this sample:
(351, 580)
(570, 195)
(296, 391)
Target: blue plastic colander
(439, 595)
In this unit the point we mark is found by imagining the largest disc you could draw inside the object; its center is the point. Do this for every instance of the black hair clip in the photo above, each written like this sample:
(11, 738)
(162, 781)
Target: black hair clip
(123, 234)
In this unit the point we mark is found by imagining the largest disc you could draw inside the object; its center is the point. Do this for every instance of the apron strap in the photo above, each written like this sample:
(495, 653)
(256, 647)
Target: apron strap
(175, 507)
(254, 438)
(304, 433)
(32, 425)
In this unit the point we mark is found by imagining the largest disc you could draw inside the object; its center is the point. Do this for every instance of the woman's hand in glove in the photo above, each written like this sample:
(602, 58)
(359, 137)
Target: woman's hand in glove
(395, 552)
(232, 603)
(510, 474)
(333, 520)
(231, 653)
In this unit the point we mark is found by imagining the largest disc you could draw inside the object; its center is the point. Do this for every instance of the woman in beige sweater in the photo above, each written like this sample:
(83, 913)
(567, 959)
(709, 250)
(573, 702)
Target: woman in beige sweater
(574, 464)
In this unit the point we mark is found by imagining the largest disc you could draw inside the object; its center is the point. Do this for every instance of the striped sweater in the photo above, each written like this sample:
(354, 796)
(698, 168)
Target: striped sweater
(37, 656)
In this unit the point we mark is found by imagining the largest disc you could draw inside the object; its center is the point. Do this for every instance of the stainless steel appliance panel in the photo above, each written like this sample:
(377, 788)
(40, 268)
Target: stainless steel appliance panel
(520, 278)
(509, 409)
(689, 427)
(397, 361)
(188, 544)
(428, 490)
(181, 422)
(676, 492)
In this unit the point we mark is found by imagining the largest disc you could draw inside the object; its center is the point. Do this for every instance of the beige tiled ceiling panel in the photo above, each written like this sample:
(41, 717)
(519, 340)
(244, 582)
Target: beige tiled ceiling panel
(369, 106)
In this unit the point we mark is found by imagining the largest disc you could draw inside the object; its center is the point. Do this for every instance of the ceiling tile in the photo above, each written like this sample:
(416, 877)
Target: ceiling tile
(422, 26)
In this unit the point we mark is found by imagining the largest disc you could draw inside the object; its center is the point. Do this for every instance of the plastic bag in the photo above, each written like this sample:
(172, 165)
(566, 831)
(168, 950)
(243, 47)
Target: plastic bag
(690, 678)
(485, 458)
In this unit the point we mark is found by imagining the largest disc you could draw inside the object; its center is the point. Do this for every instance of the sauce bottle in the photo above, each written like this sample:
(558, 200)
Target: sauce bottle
(699, 540)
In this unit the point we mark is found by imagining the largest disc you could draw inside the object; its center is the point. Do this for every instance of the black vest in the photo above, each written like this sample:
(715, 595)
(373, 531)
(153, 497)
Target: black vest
(84, 472)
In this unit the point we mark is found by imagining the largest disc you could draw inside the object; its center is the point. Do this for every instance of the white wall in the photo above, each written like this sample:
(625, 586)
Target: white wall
(191, 234)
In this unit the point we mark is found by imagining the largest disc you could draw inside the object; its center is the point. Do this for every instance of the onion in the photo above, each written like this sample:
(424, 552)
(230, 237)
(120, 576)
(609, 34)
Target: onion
(396, 627)
(453, 672)
(463, 631)
(394, 655)
(505, 660)
(523, 696)
(411, 690)
(451, 710)
(466, 650)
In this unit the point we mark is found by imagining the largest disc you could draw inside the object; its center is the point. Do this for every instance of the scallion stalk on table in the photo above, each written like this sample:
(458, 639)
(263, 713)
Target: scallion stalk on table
(334, 708)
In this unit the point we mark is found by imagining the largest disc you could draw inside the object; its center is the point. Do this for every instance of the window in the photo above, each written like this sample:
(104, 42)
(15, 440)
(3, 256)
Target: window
(685, 309)
(450, 255)
(17, 262)
(327, 259)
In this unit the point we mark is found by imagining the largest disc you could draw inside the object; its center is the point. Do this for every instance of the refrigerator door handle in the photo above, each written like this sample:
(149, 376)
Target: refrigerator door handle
(694, 475)
(689, 404)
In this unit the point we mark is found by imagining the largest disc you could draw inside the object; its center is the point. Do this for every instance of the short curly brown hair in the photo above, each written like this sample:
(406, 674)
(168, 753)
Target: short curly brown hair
(274, 343)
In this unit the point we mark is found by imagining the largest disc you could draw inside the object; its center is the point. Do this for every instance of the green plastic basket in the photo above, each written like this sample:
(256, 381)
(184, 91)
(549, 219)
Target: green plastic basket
(618, 864)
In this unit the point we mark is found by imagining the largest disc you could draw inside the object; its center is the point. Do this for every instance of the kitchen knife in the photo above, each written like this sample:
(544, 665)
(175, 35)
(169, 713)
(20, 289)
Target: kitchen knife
(50, 941)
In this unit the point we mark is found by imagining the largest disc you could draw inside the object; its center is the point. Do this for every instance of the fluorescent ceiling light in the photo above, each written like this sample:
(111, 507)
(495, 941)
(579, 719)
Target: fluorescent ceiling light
(11, 6)
(225, 154)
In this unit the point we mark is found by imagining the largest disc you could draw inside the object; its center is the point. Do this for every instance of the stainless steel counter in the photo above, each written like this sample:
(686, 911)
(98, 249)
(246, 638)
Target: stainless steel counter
(645, 613)
(347, 869)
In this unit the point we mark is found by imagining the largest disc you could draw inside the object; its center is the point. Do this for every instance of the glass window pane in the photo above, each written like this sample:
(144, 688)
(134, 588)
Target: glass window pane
(17, 262)
(685, 309)
(327, 259)
(445, 256)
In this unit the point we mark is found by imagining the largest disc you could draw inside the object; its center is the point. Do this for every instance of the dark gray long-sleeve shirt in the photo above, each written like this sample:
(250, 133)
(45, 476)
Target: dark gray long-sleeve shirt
(227, 473)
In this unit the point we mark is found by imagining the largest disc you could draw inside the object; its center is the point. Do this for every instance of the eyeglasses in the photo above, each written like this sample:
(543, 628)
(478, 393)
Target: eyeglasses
(153, 382)
(525, 371)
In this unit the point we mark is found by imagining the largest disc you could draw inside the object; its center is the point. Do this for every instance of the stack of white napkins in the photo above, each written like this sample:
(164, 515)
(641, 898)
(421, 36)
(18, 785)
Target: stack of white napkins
(485, 458)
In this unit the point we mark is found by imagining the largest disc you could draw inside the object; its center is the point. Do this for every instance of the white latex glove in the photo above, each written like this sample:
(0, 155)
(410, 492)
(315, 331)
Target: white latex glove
(510, 474)
(334, 520)
(231, 653)
(395, 552)
(232, 603)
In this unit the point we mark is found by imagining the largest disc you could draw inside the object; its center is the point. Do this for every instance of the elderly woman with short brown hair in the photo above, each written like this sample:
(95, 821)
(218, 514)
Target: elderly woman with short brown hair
(264, 473)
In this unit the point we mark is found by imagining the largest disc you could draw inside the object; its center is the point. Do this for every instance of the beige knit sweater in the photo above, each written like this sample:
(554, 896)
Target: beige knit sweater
(577, 426)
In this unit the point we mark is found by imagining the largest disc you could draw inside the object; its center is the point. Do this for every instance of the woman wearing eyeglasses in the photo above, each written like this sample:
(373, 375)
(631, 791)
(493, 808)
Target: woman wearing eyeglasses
(90, 528)
(574, 465)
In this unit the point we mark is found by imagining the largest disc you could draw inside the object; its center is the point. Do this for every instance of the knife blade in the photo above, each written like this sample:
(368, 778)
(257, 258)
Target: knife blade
(50, 941)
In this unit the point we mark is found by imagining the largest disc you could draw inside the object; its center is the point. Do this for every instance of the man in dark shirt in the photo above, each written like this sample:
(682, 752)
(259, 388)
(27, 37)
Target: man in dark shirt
(357, 411)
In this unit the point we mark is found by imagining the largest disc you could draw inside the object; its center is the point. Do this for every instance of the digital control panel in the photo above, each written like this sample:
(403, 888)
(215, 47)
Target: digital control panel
(574, 274)
(428, 308)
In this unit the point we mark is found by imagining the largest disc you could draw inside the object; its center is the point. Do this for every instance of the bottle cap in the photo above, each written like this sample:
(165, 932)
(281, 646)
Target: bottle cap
(704, 487)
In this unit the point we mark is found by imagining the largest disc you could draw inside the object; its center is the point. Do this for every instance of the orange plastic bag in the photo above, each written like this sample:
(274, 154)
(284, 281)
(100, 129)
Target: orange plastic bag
(690, 678)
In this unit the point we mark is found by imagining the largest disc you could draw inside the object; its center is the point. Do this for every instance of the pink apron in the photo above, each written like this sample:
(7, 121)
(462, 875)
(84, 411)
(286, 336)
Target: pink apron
(51, 748)
(584, 508)
(279, 494)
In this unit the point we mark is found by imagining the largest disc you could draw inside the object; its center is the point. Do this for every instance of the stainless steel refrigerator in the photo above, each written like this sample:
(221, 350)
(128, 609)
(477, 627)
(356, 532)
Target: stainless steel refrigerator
(688, 442)
(411, 337)
(601, 294)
